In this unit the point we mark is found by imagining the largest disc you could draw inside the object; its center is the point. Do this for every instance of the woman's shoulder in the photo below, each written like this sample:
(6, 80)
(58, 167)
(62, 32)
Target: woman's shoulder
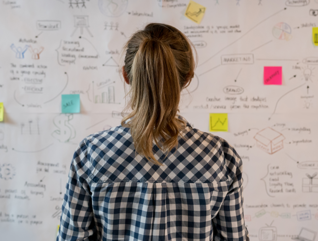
(111, 134)
(215, 146)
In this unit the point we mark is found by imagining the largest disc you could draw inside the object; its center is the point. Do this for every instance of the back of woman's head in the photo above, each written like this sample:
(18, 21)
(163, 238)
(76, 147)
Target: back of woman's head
(158, 64)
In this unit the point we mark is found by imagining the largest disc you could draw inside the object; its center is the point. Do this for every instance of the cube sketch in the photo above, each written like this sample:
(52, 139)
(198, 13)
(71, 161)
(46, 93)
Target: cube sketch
(269, 140)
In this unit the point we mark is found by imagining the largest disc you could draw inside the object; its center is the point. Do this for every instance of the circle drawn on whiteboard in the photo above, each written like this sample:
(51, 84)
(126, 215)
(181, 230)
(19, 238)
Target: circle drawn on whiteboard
(282, 31)
(192, 87)
(112, 8)
(245, 180)
(7, 171)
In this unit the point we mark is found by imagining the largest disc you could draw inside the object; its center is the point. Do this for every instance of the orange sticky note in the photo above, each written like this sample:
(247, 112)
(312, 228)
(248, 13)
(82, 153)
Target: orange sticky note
(273, 75)
(218, 122)
(315, 35)
(1, 112)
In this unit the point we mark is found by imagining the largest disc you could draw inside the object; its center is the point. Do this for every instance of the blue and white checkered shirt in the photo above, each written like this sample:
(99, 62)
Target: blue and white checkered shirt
(115, 194)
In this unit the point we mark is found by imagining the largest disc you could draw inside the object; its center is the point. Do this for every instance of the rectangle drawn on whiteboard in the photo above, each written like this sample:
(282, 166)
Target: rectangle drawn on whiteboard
(237, 59)
(48, 25)
(304, 215)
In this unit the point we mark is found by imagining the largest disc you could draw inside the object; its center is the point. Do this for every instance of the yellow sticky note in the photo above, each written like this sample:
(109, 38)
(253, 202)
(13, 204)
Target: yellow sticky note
(1, 112)
(218, 122)
(195, 11)
(58, 228)
(315, 35)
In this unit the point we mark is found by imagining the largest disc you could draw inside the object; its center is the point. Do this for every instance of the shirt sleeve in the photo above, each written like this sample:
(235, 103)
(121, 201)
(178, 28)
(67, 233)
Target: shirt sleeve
(229, 223)
(77, 219)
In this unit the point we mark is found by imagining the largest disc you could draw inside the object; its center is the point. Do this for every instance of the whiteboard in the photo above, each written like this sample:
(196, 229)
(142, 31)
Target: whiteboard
(50, 48)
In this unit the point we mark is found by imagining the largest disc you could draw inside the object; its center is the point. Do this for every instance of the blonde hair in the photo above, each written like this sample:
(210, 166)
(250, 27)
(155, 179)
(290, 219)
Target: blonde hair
(159, 63)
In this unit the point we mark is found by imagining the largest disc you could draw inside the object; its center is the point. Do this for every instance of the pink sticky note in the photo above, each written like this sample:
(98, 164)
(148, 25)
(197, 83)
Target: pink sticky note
(273, 75)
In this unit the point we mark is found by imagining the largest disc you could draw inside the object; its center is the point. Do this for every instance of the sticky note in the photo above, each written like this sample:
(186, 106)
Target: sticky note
(218, 122)
(315, 35)
(273, 75)
(58, 228)
(71, 103)
(1, 112)
(195, 11)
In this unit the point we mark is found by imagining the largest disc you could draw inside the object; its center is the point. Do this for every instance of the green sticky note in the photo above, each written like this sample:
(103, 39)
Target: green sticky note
(71, 104)
(1, 112)
(315, 35)
(218, 122)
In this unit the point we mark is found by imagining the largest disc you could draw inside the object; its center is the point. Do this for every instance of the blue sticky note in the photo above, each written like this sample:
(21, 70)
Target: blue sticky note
(71, 104)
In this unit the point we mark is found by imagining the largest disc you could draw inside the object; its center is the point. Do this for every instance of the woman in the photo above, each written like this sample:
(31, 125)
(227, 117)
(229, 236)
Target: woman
(154, 177)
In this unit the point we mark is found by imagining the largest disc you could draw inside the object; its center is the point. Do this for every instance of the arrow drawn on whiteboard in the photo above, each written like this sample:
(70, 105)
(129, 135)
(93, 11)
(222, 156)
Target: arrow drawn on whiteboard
(96, 123)
(241, 37)
(238, 75)
(281, 98)
(15, 98)
(90, 44)
(38, 34)
(262, 45)
(292, 158)
(33, 151)
(62, 89)
(210, 69)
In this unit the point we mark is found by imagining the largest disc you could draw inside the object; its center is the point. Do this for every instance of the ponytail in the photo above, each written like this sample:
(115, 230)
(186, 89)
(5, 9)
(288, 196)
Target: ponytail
(158, 64)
